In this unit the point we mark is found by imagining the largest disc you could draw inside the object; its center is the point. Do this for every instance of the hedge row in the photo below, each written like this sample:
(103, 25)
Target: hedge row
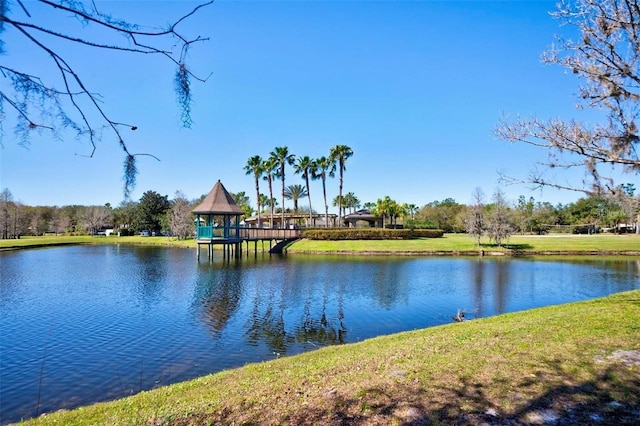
(370, 234)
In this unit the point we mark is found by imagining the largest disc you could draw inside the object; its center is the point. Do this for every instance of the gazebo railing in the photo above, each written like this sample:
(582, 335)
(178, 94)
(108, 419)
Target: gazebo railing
(206, 232)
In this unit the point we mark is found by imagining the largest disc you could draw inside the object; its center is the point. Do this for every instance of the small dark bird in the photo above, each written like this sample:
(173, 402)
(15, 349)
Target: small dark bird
(459, 316)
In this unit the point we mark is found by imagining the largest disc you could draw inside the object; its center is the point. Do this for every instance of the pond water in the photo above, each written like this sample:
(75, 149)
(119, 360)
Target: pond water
(90, 323)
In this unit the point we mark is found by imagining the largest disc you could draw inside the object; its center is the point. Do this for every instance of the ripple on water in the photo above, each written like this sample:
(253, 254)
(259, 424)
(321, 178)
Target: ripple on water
(112, 321)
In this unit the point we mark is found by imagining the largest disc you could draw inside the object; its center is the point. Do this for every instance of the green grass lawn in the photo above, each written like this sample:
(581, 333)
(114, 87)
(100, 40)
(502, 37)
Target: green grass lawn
(461, 243)
(576, 364)
(57, 240)
(449, 244)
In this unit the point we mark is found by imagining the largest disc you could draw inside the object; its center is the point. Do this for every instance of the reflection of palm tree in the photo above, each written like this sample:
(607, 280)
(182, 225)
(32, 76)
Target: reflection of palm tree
(295, 192)
(324, 167)
(268, 326)
(321, 330)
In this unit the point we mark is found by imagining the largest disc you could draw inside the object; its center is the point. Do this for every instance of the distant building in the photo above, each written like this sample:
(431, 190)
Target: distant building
(291, 220)
(362, 219)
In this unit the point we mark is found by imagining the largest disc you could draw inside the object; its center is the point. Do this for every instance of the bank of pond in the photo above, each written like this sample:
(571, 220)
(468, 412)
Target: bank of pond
(88, 323)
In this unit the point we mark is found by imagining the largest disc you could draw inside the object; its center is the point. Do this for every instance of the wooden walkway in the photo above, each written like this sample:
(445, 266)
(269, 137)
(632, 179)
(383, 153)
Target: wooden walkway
(232, 241)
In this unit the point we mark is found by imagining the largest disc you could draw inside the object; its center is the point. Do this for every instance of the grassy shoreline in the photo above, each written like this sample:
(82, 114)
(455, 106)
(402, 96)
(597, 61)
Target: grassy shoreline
(450, 244)
(460, 244)
(577, 363)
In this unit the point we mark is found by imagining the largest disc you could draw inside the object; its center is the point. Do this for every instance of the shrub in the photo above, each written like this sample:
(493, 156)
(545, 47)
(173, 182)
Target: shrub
(370, 234)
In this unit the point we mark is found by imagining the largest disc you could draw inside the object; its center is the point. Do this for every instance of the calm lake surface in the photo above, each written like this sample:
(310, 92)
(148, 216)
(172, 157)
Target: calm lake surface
(91, 323)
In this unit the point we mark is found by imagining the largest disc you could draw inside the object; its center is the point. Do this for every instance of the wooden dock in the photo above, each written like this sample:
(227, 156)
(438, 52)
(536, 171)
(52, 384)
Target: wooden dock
(233, 239)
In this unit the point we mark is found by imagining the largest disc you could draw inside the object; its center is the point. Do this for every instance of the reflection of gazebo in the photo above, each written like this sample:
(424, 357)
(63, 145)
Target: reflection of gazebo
(217, 219)
(351, 220)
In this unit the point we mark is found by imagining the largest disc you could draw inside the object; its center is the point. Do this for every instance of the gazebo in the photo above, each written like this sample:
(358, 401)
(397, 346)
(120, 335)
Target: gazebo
(218, 220)
(351, 220)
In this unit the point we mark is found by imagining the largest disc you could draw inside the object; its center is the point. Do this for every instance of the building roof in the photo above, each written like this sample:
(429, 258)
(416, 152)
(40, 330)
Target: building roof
(218, 201)
(361, 215)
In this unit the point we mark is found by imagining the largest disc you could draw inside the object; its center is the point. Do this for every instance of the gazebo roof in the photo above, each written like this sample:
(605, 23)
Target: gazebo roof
(218, 201)
(361, 215)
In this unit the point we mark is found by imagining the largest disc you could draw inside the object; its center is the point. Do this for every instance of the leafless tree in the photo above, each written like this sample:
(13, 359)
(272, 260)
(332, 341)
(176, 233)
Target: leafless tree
(6, 201)
(499, 225)
(180, 217)
(95, 217)
(606, 56)
(40, 103)
(476, 222)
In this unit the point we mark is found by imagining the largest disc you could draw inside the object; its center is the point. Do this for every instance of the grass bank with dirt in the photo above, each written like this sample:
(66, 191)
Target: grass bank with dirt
(570, 364)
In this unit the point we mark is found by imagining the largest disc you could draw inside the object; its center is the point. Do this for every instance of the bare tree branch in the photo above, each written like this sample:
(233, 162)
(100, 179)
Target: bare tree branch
(59, 108)
(607, 58)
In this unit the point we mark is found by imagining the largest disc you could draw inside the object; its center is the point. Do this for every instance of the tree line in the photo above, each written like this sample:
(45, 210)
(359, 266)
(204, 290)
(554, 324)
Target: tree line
(497, 218)
(154, 213)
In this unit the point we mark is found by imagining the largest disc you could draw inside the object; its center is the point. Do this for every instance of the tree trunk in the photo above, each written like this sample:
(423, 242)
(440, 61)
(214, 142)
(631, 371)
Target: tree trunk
(282, 215)
(309, 196)
(326, 206)
(258, 200)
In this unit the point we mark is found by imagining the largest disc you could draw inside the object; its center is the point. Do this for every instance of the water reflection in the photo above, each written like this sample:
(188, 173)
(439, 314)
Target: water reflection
(477, 278)
(218, 291)
(501, 286)
(114, 320)
(324, 330)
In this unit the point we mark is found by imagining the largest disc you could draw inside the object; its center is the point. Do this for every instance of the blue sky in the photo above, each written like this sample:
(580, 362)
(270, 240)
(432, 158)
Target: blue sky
(414, 88)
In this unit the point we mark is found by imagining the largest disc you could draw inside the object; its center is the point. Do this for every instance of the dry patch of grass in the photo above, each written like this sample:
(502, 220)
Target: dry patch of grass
(569, 364)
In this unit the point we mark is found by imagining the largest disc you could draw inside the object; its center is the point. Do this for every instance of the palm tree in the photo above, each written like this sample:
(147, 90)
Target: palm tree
(263, 201)
(323, 167)
(254, 165)
(386, 207)
(305, 166)
(268, 168)
(351, 202)
(295, 192)
(282, 157)
(412, 209)
(369, 206)
(338, 202)
(340, 154)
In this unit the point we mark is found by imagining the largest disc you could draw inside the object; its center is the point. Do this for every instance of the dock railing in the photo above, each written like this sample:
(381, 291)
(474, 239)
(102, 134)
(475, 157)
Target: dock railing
(246, 233)
(269, 233)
